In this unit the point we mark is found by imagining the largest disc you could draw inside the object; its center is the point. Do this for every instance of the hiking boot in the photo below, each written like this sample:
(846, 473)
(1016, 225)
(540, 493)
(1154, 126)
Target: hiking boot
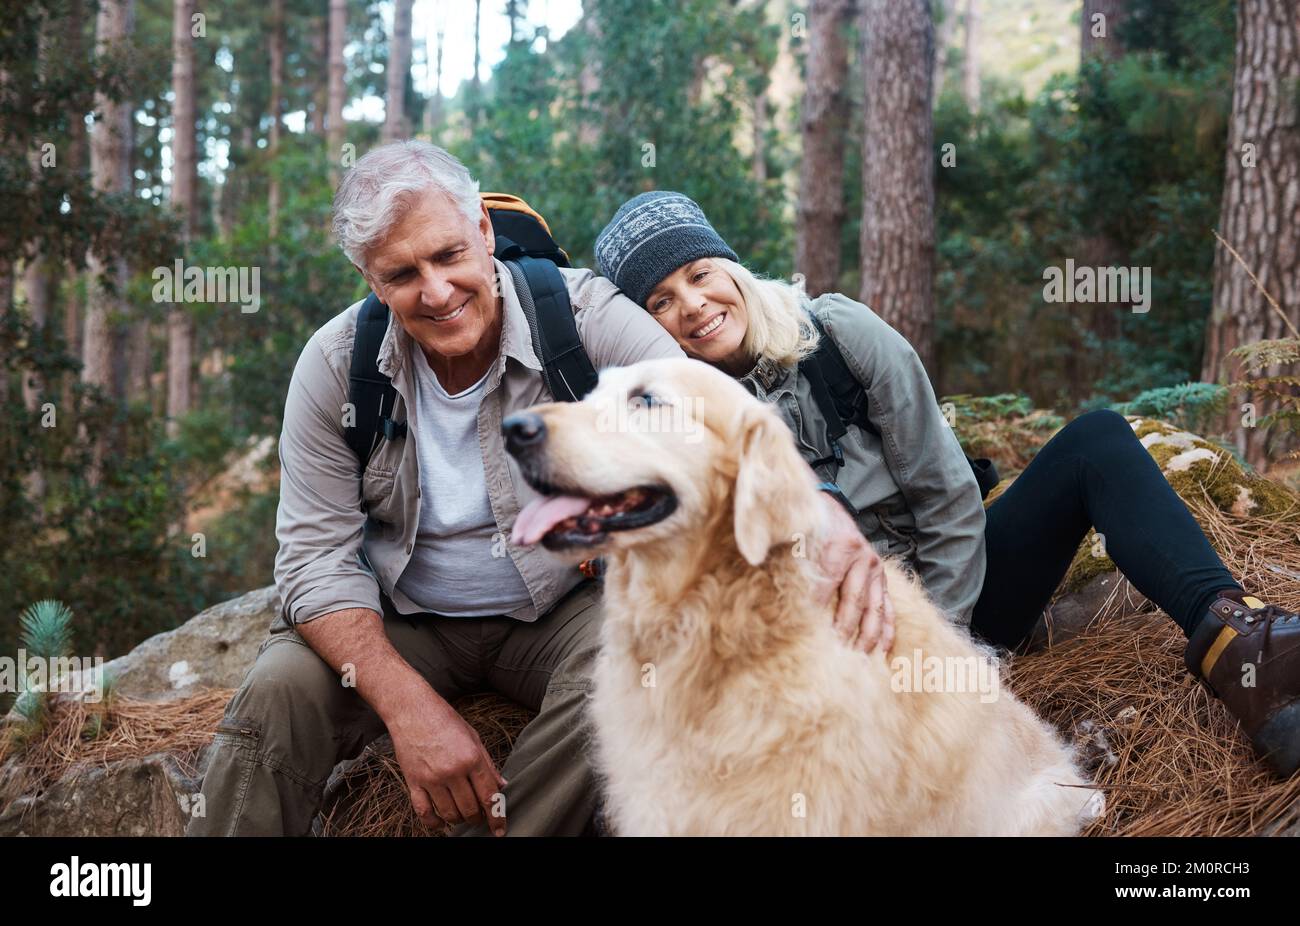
(1248, 654)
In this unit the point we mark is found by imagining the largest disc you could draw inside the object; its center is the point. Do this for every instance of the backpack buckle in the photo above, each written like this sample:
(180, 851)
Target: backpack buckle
(392, 430)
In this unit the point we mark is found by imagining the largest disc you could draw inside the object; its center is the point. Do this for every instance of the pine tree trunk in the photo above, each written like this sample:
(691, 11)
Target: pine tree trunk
(320, 96)
(1259, 215)
(180, 334)
(399, 66)
(337, 90)
(897, 243)
(1098, 36)
(104, 341)
(277, 105)
(476, 85)
(110, 160)
(824, 124)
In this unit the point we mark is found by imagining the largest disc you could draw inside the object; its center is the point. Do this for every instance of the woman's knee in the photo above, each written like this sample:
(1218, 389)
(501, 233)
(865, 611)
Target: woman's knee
(1095, 426)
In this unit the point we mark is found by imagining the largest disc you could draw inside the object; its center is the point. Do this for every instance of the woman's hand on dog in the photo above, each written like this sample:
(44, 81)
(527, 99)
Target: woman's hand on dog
(864, 616)
(449, 774)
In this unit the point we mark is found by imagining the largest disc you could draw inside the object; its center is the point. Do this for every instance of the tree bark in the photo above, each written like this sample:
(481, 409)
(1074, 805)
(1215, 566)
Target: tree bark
(897, 243)
(320, 95)
(823, 124)
(396, 127)
(1259, 214)
(180, 325)
(476, 85)
(104, 341)
(277, 105)
(103, 361)
(337, 89)
(1099, 37)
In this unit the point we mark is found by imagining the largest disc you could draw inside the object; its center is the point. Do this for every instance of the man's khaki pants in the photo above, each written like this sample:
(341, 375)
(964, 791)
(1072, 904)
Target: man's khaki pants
(292, 720)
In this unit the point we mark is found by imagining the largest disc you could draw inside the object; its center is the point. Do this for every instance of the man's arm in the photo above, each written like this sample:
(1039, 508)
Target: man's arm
(319, 522)
(334, 604)
(922, 454)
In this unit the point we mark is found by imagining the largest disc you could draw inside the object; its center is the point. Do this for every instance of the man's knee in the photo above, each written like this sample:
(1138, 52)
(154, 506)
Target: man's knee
(292, 709)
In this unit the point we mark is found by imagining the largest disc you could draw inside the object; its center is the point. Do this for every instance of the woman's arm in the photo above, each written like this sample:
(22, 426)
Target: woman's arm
(920, 449)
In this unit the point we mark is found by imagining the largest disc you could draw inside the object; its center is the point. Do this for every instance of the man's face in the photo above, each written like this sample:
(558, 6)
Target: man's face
(435, 271)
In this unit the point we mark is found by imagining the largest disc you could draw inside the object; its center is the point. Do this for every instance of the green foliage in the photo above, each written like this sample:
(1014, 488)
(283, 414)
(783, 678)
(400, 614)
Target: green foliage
(1119, 164)
(1191, 406)
(45, 629)
(675, 81)
(1280, 390)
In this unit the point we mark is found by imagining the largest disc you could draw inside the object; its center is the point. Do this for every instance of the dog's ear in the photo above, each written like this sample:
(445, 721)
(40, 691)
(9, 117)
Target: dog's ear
(772, 484)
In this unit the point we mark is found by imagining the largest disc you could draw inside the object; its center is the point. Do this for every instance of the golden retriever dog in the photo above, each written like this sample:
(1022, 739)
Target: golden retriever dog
(723, 701)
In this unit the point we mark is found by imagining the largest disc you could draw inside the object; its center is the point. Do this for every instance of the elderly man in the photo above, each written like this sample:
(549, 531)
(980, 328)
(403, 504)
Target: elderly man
(399, 591)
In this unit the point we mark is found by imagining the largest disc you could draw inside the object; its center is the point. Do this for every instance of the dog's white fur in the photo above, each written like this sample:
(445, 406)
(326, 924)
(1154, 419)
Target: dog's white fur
(724, 701)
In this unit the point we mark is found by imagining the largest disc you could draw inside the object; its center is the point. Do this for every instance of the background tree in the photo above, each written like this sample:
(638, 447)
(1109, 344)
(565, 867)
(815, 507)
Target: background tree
(396, 124)
(1260, 212)
(184, 197)
(824, 123)
(897, 243)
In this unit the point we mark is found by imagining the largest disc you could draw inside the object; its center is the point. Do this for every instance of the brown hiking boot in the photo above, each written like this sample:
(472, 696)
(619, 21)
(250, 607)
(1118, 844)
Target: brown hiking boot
(1248, 654)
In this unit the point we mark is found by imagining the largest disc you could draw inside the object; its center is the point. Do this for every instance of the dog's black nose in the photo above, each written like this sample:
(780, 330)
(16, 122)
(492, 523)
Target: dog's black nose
(523, 431)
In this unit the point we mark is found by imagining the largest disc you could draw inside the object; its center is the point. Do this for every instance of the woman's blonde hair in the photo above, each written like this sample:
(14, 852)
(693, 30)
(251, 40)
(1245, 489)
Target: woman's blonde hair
(779, 328)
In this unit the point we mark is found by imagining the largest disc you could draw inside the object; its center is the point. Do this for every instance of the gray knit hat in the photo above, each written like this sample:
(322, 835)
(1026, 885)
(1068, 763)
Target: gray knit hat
(652, 235)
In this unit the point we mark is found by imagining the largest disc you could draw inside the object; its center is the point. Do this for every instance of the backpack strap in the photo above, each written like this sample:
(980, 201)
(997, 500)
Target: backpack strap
(848, 398)
(371, 393)
(544, 297)
(843, 401)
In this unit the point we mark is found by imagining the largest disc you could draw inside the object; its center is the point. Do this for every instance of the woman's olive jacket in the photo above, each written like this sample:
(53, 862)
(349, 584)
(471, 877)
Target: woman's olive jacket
(911, 484)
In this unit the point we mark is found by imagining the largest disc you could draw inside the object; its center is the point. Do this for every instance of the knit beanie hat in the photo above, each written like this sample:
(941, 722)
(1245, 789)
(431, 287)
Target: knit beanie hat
(652, 235)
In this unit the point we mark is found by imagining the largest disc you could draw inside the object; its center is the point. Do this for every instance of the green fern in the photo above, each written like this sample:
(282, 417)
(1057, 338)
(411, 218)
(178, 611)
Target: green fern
(1282, 390)
(1190, 406)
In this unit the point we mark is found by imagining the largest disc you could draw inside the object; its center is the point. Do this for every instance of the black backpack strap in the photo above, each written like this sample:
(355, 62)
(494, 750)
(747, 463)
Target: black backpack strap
(371, 393)
(545, 300)
(846, 394)
(843, 400)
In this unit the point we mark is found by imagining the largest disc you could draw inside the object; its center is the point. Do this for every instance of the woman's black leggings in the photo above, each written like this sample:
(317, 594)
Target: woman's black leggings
(1093, 473)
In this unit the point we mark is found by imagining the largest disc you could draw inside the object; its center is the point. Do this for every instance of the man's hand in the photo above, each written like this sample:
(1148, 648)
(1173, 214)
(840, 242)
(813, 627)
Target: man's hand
(865, 615)
(447, 770)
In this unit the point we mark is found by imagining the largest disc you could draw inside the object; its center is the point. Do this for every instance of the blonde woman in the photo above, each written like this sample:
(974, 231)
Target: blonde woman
(903, 476)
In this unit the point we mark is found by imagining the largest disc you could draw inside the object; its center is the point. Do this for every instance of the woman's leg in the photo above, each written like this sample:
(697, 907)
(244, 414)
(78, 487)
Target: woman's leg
(1093, 473)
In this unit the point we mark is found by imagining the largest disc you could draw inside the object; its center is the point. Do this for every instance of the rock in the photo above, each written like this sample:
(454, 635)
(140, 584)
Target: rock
(134, 797)
(1108, 594)
(215, 649)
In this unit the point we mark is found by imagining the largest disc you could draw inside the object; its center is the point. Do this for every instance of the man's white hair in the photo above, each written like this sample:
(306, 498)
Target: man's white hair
(376, 193)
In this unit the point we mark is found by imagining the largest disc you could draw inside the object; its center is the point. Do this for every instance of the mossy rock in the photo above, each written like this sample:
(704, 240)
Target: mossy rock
(1196, 469)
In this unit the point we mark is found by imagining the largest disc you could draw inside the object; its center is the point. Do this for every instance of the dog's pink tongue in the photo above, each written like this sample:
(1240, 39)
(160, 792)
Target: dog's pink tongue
(541, 514)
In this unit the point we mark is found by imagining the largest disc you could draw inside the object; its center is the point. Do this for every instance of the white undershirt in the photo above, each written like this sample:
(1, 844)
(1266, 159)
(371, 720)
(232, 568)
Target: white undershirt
(452, 570)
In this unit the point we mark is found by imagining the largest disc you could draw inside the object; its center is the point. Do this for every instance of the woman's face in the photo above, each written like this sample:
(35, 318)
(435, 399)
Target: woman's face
(700, 306)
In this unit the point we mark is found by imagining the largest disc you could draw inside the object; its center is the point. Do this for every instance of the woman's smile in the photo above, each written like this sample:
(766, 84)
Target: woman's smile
(710, 328)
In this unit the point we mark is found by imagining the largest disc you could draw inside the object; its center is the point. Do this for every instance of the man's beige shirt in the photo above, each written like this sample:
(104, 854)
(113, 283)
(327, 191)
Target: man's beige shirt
(344, 539)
